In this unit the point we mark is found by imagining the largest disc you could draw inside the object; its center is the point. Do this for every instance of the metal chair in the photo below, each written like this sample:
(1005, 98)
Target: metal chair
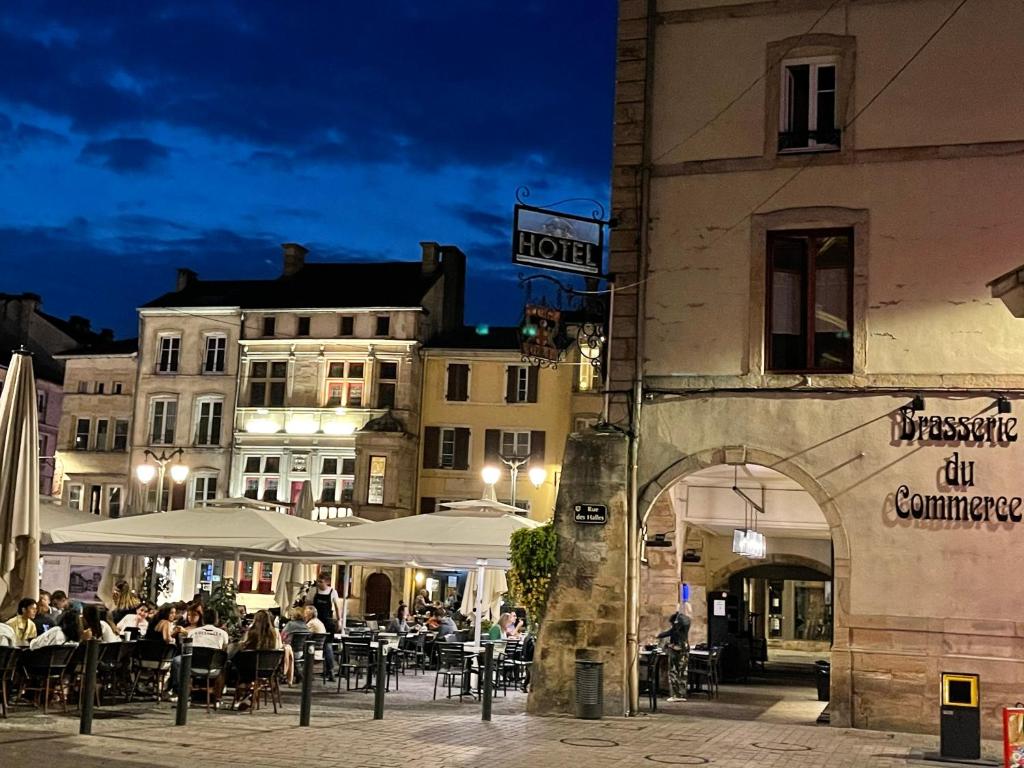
(8, 663)
(257, 676)
(208, 665)
(652, 668)
(452, 665)
(356, 658)
(45, 667)
(152, 659)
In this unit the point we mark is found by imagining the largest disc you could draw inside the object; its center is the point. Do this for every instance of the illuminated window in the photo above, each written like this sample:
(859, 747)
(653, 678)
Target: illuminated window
(102, 434)
(337, 480)
(375, 486)
(345, 382)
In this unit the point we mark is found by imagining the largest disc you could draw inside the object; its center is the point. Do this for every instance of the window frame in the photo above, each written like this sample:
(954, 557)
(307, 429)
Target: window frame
(518, 433)
(809, 299)
(203, 478)
(72, 502)
(96, 444)
(206, 439)
(223, 351)
(115, 435)
(344, 482)
(303, 325)
(383, 384)
(268, 323)
(172, 352)
(349, 320)
(108, 494)
(448, 382)
(262, 476)
(346, 383)
(268, 381)
(151, 423)
(83, 445)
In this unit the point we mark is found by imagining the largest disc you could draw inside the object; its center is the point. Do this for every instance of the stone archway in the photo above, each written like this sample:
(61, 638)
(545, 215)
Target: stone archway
(842, 683)
(720, 579)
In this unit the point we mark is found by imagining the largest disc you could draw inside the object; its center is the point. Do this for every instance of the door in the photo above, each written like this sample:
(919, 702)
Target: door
(378, 595)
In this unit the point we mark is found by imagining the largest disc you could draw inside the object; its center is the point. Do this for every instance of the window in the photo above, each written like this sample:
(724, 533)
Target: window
(75, 496)
(521, 384)
(810, 282)
(150, 504)
(383, 325)
(216, 353)
(170, 348)
(204, 489)
(337, 480)
(267, 383)
(585, 376)
(348, 325)
(262, 475)
(95, 500)
(387, 384)
(114, 496)
(446, 448)
(41, 403)
(457, 389)
(208, 418)
(583, 423)
(807, 115)
(345, 384)
(83, 387)
(303, 329)
(163, 415)
(120, 435)
(82, 427)
(102, 435)
(99, 387)
(269, 325)
(515, 444)
(375, 486)
(117, 387)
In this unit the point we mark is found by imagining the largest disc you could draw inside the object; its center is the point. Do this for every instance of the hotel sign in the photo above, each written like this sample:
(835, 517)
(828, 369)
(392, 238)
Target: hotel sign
(558, 241)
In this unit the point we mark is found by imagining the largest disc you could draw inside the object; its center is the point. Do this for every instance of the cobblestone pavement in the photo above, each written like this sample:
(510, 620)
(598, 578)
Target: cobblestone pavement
(422, 733)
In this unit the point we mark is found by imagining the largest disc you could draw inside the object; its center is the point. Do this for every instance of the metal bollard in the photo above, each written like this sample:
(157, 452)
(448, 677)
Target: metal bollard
(307, 683)
(382, 680)
(184, 681)
(88, 693)
(488, 673)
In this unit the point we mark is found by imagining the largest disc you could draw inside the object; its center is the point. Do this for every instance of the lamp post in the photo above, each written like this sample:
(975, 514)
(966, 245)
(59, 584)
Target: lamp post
(492, 474)
(146, 472)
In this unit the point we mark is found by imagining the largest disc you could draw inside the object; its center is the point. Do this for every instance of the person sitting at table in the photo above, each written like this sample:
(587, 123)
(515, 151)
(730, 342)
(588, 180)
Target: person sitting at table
(433, 622)
(23, 624)
(445, 625)
(124, 600)
(138, 620)
(317, 627)
(193, 617)
(94, 619)
(68, 632)
(7, 636)
(497, 630)
(209, 635)
(296, 623)
(399, 623)
(421, 603)
(162, 626)
(44, 618)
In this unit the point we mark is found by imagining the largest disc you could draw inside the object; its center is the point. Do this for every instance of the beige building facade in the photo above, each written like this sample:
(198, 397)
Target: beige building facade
(811, 229)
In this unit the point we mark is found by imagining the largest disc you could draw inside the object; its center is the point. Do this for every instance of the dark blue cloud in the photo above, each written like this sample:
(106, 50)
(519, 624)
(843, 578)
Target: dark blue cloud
(126, 155)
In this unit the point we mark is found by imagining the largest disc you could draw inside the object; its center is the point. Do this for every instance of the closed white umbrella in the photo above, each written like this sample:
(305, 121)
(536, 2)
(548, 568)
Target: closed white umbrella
(292, 575)
(495, 586)
(212, 531)
(19, 485)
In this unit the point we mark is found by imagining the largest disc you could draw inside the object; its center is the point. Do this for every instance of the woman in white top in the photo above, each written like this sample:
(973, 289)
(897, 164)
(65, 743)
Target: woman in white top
(67, 632)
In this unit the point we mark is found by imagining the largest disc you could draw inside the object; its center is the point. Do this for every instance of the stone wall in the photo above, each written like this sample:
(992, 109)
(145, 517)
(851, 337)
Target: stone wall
(586, 612)
(659, 577)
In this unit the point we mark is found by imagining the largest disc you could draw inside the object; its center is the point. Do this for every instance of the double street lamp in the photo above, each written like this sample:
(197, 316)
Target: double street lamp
(492, 474)
(158, 469)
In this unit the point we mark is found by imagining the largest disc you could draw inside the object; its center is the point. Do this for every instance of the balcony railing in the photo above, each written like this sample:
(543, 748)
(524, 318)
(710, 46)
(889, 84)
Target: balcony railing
(810, 140)
(303, 421)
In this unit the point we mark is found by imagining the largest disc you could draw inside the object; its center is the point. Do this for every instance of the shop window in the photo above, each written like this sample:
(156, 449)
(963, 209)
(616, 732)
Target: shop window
(216, 353)
(268, 382)
(163, 415)
(807, 114)
(345, 382)
(170, 349)
(261, 477)
(457, 389)
(375, 485)
(387, 384)
(810, 297)
(521, 384)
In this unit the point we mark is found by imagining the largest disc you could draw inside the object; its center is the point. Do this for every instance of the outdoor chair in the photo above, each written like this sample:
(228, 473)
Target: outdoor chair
(699, 675)
(8, 663)
(257, 677)
(499, 679)
(356, 659)
(298, 642)
(108, 658)
(208, 665)
(452, 666)
(113, 671)
(508, 667)
(412, 649)
(44, 670)
(153, 660)
(652, 670)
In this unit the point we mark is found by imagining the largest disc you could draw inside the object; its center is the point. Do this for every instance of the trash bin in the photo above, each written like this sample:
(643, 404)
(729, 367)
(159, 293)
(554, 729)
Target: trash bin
(589, 690)
(822, 675)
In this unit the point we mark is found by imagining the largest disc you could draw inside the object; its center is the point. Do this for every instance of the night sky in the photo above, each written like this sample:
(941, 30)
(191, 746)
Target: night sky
(139, 137)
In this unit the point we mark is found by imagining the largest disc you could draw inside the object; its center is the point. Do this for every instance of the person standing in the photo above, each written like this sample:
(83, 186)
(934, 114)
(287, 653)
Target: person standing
(325, 598)
(678, 648)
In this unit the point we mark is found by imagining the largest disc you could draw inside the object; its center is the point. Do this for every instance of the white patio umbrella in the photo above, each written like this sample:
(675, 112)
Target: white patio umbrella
(19, 485)
(468, 535)
(53, 514)
(293, 574)
(212, 531)
(495, 585)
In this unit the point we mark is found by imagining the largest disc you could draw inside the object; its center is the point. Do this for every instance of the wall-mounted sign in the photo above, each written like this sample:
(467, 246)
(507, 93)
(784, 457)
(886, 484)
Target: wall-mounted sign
(559, 241)
(541, 335)
(590, 514)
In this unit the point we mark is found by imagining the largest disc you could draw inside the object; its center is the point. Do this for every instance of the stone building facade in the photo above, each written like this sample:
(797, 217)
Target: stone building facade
(811, 229)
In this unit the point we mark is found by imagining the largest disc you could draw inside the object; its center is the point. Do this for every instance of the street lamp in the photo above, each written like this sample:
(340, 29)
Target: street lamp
(491, 474)
(146, 472)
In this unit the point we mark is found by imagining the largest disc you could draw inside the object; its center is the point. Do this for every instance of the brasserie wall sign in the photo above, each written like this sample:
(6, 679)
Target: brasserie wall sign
(555, 240)
(960, 503)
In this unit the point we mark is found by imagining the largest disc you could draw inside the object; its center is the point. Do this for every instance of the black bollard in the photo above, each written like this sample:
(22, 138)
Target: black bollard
(184, 681)
(382, 680)
(307, 683)
(88, 692)
(488, 673)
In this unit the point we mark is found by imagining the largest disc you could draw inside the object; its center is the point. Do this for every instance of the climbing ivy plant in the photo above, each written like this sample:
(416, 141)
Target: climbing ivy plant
(533, 553)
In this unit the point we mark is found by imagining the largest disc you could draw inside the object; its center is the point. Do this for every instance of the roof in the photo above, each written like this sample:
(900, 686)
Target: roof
(102, 347)
(374, 284)
(468, 337)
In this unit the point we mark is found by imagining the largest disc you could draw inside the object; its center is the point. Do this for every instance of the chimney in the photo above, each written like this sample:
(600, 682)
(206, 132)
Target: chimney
(106, 335)
(79, 324)
(294, 258)
(185, 278)
(431, 257)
